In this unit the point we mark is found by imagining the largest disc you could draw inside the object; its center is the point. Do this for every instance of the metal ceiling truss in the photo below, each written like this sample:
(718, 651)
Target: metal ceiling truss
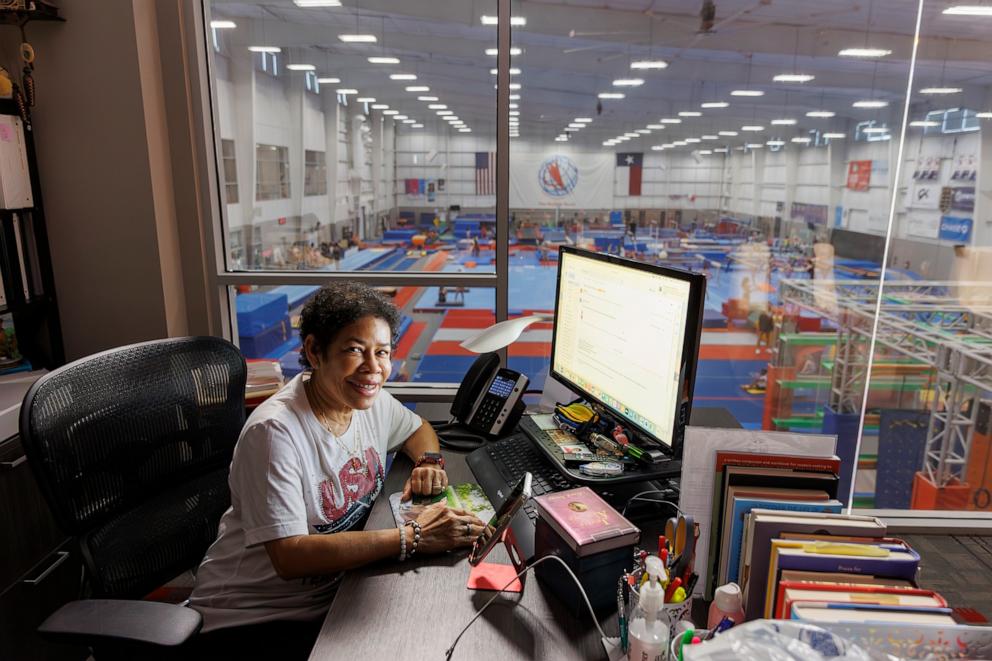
(926, 321)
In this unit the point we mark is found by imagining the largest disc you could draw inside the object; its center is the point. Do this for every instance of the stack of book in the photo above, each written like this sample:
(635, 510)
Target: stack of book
(264, 379)
(746, 481)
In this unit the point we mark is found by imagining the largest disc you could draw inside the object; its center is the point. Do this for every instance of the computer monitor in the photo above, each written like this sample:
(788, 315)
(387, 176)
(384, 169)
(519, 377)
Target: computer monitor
(626, 337)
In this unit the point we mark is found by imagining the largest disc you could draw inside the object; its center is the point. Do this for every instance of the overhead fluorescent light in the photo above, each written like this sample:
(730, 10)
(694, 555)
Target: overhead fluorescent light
(802, 140)
(631, 134)
(465, 130)
(380, 106)
(265, 49)
(514, 97)
(783, 122)
(384, 60)
(940, 90)
(649, 64)
(983, 115)
(628, 82)
(579, 125)
(680, 143)
(346, 91)
(834, 136)
(365, 99)
(714, 104)
(670, 120)
(301, 67)
(416, 126)
(611, 95)
(390, 112)
(747, 93)
(655, 127)
(775, 143)
(643, 131)
(869, 103)
(443, 113)
(223, 25)
(513, 71)
(969, 10)
(400, 117)
(710, 137)
(402, 76)
(437, 106)
(514, 86)
(426, 98)
(493, 20)
(418, 88)
(514, 113)
(875, 129)
(864, 52)
(924, 123)
(754, 145)
(495, 51)
(705, 152)
(820, 113)
(692, 141)
(793, 78)
(690, 113)
(561, 138)
(721, 150)
(329, 81)
(358, 38)
(585, 120)
(317, 3)
(728, 134)
(657, 147)
(569, 129)
(409, 121)
(753, 128)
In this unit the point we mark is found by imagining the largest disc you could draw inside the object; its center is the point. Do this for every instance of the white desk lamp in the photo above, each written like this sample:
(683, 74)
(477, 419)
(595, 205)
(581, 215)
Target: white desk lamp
(502, 334)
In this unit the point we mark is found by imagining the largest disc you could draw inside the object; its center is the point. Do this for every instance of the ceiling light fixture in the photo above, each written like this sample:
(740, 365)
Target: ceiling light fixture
(721, 150)
(783, 122)
(710, 137)
(514, 86)
(416, 126)
(317, 3)
(365, 99)
(223, 25)
(329, 81)
(870, 103)
(344, 91)
(443, 113)
(390, 112)
(793, 78)
(513, 71)
(834, 136)
(655, 127)
(611, 95)
(409, 121)
(379, 106)
(649, 64)
(514, 97)
(628, 82)
(418, 88)
(399, 117)
(969, 10)
(753, 128)
(705, 152)
(384, 60)
(265, 49)
(692, 141)
(754, 145)
(690, 113)
(728, 134)
(864, 52)
(983, 115)
(747, 93)
(358, 38)
(924, 123)
(495, 51)
(824, 114)
(514, 20)
(657, 147)
(402, 76)
(775, 143)
(875, 129)
(714, 104)
(426, 98)
(802, 140)
(940, 90)
(437, 106)
(670, 120)
(583, 120)
(301, 67)
(643, 131)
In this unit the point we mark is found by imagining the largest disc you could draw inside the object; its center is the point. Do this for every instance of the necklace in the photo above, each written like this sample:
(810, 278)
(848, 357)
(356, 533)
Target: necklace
(354, 451)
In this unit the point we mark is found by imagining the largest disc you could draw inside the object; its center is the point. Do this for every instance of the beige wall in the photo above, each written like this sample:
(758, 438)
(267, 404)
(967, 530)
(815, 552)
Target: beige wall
(105, 153)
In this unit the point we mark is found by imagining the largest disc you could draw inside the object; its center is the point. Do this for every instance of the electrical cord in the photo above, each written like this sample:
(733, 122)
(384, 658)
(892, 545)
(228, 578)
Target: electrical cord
(478, 613)
(637, 496)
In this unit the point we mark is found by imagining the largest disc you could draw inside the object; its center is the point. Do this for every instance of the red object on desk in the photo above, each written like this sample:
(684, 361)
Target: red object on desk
(491, 576)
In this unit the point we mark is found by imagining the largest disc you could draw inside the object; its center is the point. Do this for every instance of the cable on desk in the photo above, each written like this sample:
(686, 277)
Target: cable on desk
(478, 613)
(637, 496)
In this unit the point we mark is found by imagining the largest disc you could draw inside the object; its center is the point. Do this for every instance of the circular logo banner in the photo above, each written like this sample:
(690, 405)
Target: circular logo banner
(558, 175)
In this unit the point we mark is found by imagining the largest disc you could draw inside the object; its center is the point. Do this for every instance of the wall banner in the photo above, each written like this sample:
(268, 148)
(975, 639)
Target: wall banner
(569, 180)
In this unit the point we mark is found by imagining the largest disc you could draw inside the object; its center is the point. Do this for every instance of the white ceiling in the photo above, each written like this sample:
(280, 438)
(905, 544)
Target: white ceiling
(574, 49)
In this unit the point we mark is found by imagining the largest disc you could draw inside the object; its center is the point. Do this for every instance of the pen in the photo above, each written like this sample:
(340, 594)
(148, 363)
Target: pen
(622, 617)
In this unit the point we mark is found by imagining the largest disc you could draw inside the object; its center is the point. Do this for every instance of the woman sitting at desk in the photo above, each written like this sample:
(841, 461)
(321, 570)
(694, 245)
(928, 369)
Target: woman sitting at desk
(305, 473)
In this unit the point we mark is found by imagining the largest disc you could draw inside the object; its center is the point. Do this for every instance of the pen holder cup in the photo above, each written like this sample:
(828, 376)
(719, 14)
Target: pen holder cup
(671, 614)
(675, 644)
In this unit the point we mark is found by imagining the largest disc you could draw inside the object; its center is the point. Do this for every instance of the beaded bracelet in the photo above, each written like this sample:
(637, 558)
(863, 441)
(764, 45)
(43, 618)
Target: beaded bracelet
(402, 544)
(416, 537)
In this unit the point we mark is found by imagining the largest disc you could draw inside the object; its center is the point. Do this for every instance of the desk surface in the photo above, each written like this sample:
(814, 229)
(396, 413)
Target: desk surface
(414, 610)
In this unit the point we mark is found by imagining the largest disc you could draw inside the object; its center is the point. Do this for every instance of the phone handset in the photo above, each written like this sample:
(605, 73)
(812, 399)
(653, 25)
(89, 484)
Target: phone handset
(489, 399)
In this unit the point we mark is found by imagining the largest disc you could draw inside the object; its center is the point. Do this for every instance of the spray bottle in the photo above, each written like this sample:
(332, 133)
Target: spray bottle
(648, 635)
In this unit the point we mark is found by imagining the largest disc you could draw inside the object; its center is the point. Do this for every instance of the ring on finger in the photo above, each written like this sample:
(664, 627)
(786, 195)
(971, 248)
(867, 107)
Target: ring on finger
(468, 529)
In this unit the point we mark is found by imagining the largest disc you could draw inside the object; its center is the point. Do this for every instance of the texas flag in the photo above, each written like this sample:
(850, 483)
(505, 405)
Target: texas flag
(628, 179)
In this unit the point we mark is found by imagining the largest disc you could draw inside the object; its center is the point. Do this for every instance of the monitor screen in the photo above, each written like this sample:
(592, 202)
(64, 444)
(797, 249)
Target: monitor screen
(625, 337)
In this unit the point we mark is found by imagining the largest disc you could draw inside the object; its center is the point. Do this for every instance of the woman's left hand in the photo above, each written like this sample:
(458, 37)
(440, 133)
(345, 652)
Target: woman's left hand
(425, 481)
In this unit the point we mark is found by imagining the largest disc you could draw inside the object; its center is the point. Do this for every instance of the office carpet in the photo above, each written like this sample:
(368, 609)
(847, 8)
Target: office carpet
(959, 567)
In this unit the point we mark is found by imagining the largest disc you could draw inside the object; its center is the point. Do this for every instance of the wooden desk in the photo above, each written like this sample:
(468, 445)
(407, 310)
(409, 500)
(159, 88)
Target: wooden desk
(414, 610)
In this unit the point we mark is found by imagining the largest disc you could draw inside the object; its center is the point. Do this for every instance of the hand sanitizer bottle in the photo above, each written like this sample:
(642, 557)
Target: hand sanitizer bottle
(648, 635)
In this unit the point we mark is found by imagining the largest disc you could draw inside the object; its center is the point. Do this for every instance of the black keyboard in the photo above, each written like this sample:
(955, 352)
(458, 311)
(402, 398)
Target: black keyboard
(498, 466)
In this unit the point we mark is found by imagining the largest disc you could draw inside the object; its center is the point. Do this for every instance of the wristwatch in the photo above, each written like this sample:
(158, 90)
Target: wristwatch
(430, 458)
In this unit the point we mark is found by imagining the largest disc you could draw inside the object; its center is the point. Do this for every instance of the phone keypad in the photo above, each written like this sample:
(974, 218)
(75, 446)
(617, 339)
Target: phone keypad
(489, 409)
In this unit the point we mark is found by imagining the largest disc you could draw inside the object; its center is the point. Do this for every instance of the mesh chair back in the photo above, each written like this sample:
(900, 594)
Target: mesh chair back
(131, 448)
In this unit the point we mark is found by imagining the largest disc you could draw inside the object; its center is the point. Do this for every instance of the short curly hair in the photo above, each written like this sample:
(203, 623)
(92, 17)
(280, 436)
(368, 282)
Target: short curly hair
(337, 305)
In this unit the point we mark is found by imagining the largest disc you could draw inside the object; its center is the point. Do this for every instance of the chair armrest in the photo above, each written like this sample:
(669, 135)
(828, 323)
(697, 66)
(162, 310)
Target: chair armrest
(92, 620)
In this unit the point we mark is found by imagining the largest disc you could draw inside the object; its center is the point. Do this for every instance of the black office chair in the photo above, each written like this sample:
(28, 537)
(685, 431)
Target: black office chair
(131, 448)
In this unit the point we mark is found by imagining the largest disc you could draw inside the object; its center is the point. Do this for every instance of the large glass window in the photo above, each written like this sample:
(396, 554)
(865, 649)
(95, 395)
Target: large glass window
(845, 249)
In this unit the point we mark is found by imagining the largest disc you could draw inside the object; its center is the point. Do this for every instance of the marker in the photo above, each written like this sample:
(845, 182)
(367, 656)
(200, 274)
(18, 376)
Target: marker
(673, 585)
(679, 596)
(685, 640)
(662, 545)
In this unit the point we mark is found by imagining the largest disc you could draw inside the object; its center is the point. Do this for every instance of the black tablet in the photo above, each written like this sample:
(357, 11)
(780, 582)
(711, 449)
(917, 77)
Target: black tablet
(501, 520)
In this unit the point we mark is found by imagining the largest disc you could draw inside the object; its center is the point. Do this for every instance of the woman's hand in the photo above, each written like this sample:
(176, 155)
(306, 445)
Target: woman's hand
(428, 480)
(444, 528)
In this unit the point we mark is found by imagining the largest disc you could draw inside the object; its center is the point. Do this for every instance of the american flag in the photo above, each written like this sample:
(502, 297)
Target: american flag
(485, 173)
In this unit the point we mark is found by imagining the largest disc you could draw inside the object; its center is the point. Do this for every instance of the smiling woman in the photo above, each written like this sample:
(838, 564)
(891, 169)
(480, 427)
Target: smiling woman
(306, 471)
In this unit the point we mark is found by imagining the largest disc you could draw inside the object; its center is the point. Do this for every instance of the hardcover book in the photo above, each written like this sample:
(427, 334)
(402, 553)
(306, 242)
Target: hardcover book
(585, 521)
(869, 613)
(790, 592)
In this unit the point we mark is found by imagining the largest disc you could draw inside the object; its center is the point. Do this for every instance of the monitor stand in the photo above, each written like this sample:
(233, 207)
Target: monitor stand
(492, 576)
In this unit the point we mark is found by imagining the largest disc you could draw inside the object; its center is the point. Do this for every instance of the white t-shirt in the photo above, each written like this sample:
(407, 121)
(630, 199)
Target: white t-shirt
(290, 476)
